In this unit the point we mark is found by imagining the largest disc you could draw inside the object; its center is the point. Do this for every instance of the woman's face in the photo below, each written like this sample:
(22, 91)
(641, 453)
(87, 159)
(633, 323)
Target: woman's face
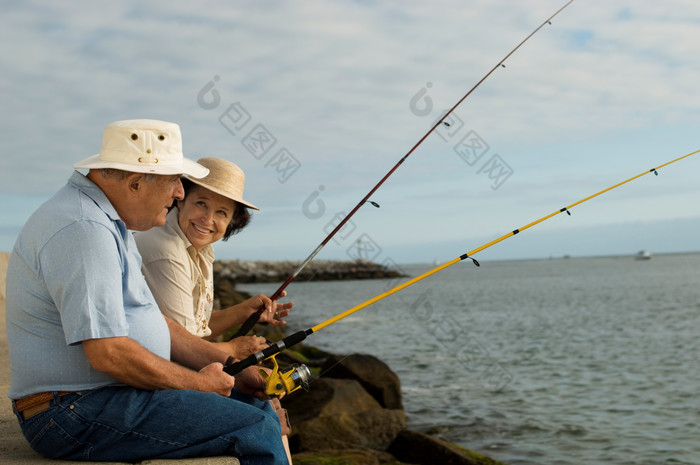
(204, 215)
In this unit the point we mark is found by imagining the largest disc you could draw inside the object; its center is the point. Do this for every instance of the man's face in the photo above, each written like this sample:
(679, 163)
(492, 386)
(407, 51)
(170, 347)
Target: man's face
(154, 201)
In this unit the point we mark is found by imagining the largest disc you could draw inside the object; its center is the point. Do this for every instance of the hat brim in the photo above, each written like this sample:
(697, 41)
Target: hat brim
(188, 167)
(225, 194)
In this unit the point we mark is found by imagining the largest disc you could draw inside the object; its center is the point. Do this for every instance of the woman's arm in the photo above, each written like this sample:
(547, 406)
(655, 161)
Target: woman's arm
(243, 346)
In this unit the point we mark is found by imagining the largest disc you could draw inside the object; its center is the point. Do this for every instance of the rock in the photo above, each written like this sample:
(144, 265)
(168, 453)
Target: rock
(373, 374)
(340, 414)
(354, 414)
(344, 457)
(311, 353)
(225, 292)
(420, 448)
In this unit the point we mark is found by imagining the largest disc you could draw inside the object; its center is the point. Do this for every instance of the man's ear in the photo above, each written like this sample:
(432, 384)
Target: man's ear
(135, 184)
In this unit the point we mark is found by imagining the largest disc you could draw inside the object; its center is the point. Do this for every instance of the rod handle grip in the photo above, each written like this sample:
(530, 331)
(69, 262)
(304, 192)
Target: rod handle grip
(267, 352)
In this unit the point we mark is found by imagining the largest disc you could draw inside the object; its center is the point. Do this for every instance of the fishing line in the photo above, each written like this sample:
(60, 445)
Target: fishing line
(299, 336)
(253, 319)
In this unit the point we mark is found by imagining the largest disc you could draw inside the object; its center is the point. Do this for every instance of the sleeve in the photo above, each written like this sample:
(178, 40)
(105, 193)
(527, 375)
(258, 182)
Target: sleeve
(82, 266)
(170, 281)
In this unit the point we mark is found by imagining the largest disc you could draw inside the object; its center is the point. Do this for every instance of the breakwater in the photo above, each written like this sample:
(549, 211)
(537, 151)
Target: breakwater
(244, 271)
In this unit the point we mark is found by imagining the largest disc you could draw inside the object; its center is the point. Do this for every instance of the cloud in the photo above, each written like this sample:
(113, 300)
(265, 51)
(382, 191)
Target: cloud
(333, 83)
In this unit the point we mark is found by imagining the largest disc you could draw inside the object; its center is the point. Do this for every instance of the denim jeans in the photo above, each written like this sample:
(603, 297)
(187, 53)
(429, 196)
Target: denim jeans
(123, 424)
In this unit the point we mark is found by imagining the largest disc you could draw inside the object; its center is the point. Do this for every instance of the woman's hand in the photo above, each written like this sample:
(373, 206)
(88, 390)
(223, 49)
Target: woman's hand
(274, 311)
(243, 346)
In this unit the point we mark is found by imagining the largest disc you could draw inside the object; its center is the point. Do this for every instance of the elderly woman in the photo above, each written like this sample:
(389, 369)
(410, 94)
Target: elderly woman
(178, 262)
(178, 258)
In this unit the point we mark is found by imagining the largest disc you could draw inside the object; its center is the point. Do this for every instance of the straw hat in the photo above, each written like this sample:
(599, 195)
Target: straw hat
(224, 178)
(143, 146)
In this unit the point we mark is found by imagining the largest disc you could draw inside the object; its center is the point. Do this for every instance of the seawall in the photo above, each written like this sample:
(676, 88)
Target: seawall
(244, 271)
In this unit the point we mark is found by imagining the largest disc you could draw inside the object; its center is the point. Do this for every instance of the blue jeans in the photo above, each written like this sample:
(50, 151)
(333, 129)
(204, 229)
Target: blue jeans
(123, 424)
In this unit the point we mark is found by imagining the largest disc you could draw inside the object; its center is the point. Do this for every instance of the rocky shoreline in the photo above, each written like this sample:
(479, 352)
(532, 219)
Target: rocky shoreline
(244, 271)
(353, 412)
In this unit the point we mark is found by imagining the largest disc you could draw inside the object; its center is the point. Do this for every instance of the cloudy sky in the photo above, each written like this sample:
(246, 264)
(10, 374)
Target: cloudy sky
(316, 101)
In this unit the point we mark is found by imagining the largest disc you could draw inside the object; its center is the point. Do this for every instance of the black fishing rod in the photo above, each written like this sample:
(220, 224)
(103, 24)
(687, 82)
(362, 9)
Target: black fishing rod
(290, 380)
(252, 319)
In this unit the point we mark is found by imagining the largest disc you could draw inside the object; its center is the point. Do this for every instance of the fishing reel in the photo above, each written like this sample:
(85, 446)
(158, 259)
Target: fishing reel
(280, 382)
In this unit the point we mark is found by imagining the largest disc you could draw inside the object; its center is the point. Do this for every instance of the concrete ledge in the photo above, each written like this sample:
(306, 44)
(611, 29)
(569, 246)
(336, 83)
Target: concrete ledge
(14, 449)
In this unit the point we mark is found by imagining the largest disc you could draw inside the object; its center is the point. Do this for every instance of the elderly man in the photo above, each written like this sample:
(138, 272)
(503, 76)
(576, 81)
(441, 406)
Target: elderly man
(97, 372)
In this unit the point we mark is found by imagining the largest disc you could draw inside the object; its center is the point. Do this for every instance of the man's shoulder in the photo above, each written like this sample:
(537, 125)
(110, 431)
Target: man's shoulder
(68, 207)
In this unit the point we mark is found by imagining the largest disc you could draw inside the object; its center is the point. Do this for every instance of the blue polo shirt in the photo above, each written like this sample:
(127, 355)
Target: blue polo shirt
(75, 274)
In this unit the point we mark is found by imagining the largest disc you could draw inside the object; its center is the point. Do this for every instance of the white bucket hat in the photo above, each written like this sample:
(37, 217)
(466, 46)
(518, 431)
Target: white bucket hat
(224, 178)
(143, 146)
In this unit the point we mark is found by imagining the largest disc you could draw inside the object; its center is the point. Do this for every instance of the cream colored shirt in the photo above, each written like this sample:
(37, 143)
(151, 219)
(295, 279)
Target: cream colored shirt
(181, 279)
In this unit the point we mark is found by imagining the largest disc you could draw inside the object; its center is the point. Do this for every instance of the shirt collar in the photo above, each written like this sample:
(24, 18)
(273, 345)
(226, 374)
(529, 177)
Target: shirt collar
(90, 189)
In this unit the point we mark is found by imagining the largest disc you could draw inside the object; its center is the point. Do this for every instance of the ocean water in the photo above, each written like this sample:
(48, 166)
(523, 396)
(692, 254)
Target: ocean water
(562, 361)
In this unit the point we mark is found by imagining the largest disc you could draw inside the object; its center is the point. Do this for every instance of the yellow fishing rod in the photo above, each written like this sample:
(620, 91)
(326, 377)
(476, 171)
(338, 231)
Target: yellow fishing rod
(279, 382)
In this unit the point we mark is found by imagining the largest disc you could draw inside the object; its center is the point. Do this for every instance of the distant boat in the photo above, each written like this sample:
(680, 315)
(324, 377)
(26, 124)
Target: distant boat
(643, 255)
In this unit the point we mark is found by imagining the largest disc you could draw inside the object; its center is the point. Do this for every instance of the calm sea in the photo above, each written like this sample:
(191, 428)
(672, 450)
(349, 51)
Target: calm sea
(563, 361)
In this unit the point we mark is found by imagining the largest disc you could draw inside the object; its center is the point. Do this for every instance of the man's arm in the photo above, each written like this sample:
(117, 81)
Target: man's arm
(130, 363)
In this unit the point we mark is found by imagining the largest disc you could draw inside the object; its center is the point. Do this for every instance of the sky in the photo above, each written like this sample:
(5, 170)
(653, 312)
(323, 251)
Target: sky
(317, 101)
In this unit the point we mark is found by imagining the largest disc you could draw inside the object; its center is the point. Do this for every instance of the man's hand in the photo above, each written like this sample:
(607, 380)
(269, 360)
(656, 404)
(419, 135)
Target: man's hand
(218, 380)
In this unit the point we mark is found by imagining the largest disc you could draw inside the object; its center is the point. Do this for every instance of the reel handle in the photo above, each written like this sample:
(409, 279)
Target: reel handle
(285, 382)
